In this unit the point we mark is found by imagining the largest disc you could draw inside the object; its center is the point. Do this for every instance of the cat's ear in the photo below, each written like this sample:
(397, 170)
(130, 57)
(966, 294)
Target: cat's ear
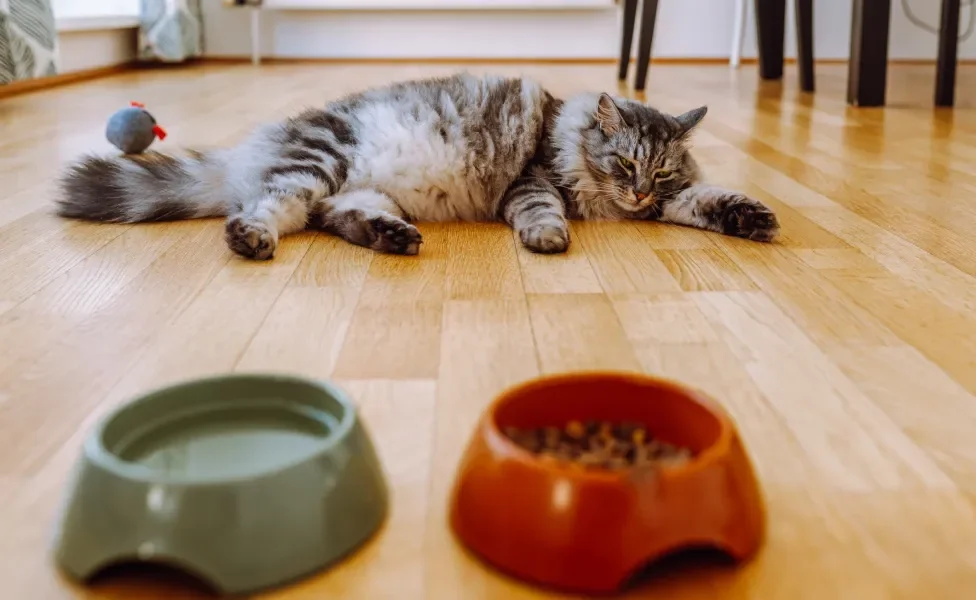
(608, 115)
(690, 119)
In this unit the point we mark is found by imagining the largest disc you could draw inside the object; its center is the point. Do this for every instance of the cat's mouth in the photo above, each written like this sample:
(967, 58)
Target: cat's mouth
(641, 200)
(630, 202)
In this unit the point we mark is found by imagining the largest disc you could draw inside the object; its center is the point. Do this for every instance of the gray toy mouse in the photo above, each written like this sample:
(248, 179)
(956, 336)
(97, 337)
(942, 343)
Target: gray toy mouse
(133, 129)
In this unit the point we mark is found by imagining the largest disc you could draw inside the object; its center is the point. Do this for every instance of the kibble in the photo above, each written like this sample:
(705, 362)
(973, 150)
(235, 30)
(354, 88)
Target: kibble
(600, 445)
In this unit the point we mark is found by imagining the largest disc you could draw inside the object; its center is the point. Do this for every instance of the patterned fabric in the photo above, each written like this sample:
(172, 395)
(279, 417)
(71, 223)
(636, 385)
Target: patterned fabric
(170, 30)
(28, 40)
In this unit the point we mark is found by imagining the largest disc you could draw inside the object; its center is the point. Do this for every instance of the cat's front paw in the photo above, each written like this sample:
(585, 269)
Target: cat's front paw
(250, 238)
(394, 235)
(545, 239)
(750, 219)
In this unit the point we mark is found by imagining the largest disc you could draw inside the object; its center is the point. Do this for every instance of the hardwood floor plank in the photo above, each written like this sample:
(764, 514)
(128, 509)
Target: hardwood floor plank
(89, 288)
(214, 330)
(16, 207)
(918, 319)
(951, 246)
(660, 236)
(899, 257)
(673, 338)
(93, 282)
(399, 416)
(797, 230)
(579, 331)
(705, 270)
(482, 262)
(487, 346)
(662, 319)
(31, 267)
(896, 378)
(838, 259)
(332, 262)
(396, 329)
(569, 273)
(940, 520)
(824, 311)
(86, 359)
(321, 314)
(622, 260)
(852, 443)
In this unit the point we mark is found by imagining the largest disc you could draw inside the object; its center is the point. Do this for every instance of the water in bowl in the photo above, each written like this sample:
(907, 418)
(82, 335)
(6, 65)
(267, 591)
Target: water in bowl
(229, 441)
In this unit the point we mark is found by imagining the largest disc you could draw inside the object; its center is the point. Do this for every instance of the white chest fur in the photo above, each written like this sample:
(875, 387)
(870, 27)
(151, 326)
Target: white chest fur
(417, 157)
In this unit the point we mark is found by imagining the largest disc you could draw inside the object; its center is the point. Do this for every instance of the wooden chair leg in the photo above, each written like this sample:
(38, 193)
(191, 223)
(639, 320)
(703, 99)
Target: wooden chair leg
(804, 43)
(945, 78)
(867, 72)
(627, 37)
(771, 31)
(648, 18)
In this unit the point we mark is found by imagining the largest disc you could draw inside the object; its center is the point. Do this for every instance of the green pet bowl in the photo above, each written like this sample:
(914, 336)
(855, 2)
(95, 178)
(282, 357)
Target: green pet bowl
(245, 482)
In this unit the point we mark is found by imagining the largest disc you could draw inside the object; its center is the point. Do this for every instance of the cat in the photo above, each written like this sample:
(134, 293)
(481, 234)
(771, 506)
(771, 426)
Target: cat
(366, 166)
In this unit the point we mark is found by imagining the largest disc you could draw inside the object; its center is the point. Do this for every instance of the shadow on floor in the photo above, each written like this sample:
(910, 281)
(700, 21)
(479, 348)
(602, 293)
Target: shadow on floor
(690, 571)
(149, 581)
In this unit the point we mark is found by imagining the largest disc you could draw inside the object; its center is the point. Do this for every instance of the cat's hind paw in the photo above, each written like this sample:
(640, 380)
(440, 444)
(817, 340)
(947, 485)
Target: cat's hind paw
(394, 235)
(250, 238)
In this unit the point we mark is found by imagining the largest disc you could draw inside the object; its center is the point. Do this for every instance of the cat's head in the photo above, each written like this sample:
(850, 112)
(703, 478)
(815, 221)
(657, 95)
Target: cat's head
(634, 156)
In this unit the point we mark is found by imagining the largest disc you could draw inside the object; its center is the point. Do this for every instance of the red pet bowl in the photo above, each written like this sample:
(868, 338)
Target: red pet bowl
(587, 530)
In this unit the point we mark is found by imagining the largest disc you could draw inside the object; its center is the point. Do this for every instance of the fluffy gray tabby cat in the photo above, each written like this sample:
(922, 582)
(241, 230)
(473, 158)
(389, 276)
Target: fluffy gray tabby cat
(455, 148)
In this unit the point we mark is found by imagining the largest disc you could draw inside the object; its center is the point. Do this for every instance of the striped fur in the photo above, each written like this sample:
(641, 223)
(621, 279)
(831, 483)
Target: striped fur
(111, 188)
(715, 209)
(535, 209)
(453, 148)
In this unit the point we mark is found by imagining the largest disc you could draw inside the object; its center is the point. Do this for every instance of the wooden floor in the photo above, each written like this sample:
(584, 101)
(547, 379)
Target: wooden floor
(846, 351)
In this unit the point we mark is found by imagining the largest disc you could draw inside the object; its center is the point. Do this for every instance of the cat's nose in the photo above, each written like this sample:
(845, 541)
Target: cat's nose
(640, 196)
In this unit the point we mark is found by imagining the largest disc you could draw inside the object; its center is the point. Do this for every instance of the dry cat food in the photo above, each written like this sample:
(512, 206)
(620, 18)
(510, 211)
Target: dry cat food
(600, 444)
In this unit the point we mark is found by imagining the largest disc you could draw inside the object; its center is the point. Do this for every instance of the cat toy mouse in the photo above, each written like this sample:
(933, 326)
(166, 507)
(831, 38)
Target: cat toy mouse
(133, 129)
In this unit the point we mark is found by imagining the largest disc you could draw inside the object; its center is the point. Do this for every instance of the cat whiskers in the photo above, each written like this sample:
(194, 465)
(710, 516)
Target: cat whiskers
(579, 187)
(653, 211)
(596, 188)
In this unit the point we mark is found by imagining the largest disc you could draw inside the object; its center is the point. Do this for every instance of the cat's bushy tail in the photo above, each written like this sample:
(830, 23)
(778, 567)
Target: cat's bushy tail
(143, 187)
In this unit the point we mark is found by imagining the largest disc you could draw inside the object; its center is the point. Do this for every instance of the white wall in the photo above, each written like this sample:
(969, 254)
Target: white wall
(685, 28)
(95, 48)
(95, 33)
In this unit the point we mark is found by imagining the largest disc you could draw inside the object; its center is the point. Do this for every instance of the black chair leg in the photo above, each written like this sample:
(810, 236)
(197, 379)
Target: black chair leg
(627, 37)
(945, 79)
(648, 18)
(804, 43)
(867, 72)
(771, 31)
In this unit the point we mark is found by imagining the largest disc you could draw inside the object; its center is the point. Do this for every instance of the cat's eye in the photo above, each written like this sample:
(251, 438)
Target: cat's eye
(663, 174)
(624, 164)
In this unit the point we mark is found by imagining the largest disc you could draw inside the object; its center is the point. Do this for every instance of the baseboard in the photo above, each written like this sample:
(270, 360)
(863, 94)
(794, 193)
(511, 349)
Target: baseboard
(433, 5)
(43, 83)
(464, 60)
(445, 60)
